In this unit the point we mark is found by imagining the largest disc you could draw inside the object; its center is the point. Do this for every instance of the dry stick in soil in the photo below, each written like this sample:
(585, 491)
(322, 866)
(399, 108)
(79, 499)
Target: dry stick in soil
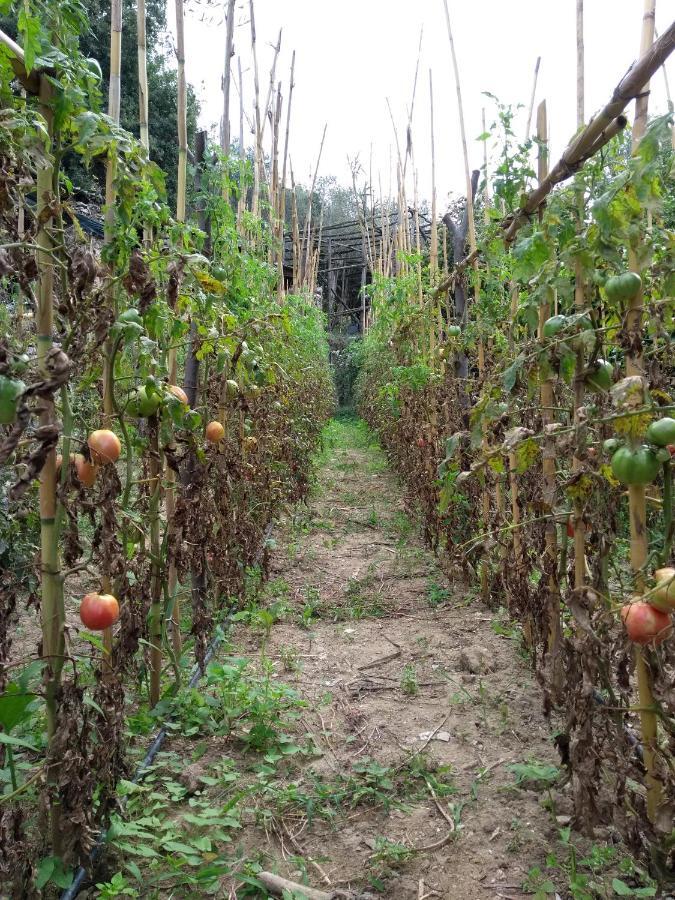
(114, 101)
(142, 75)
(639, 546)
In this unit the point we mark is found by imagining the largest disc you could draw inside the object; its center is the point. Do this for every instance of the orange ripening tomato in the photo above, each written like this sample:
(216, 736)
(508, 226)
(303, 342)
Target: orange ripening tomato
(214, 432)
(86, 471)
(105, 446)
(178, 392)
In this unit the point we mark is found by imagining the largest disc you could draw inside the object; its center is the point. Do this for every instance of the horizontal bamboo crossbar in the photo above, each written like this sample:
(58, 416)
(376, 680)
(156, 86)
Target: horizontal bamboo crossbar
(598, 132)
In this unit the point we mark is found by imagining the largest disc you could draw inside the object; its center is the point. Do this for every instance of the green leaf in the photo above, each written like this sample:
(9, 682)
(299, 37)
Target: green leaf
(29, 29)
(621, 889)
(14, 707)
(16, 742)
(510, 375)
(44, 871)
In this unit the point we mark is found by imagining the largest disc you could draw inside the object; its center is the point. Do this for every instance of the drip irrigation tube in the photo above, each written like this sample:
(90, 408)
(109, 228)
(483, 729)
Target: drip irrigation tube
(82, 873)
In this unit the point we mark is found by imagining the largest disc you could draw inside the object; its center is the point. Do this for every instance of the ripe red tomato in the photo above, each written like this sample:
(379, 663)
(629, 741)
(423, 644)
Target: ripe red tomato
(99, 611)
(570, 528)
(645, 624)
(214, 432)
(421, 442)
(105, 446)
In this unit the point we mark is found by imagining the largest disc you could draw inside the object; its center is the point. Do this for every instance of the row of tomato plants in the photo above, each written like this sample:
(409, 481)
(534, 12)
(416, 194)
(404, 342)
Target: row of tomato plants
(522, 470)
(160, 397)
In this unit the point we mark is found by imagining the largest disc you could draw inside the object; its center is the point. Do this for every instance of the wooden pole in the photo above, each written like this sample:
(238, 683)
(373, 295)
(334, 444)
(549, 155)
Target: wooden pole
(241, 205)
(639, 542)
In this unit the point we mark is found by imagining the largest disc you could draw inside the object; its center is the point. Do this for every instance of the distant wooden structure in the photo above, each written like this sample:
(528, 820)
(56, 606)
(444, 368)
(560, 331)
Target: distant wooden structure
(347, 255)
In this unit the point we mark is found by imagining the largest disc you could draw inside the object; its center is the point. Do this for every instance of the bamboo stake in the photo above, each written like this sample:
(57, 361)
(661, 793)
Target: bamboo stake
(433, 248)
(258, 127)
(471, 231)
(282, 192)
(52, 609)
(114, 104)
(142, 74)
(182, 113)
(241, 205)
(227, 77)
(181, 203)
(639, 544)
(579, 303)
(580, 63)
(532, 96)
(549, 459)
(155, 621)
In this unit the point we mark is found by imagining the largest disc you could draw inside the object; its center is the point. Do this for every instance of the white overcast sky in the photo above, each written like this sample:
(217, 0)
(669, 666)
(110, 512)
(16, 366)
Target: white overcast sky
(352, 55)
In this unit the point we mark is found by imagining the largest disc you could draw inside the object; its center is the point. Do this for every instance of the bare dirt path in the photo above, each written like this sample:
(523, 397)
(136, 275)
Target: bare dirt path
(411, 678)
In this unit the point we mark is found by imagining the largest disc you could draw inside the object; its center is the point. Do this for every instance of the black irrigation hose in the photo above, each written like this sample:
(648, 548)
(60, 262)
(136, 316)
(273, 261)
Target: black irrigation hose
(154, 748)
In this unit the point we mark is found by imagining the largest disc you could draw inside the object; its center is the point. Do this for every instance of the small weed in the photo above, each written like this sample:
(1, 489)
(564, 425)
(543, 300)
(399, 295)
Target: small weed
(290, 659)
(409, 683)
(436, 594)
(387, 857)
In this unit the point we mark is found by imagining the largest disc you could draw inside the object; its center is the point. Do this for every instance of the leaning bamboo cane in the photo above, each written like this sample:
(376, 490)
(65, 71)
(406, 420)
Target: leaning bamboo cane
(639, 546)
(282, 191)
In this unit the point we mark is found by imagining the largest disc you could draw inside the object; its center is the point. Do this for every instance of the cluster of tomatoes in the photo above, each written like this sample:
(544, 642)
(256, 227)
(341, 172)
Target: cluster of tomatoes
(100, 611)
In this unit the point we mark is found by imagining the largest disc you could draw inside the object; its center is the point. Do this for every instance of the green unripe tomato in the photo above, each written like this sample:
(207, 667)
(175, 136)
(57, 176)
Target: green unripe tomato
(131, 315)
(553, 325)
(635, 466)
(10, 391)
(600, 379)
(611, 445)
(143, 404)
(621, 288)
(662, 432)
(454, 331)
(231, 388)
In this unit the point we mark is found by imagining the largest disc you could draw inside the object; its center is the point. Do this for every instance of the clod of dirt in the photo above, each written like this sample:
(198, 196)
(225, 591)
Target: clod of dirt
(476, 660)
(190, 778)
